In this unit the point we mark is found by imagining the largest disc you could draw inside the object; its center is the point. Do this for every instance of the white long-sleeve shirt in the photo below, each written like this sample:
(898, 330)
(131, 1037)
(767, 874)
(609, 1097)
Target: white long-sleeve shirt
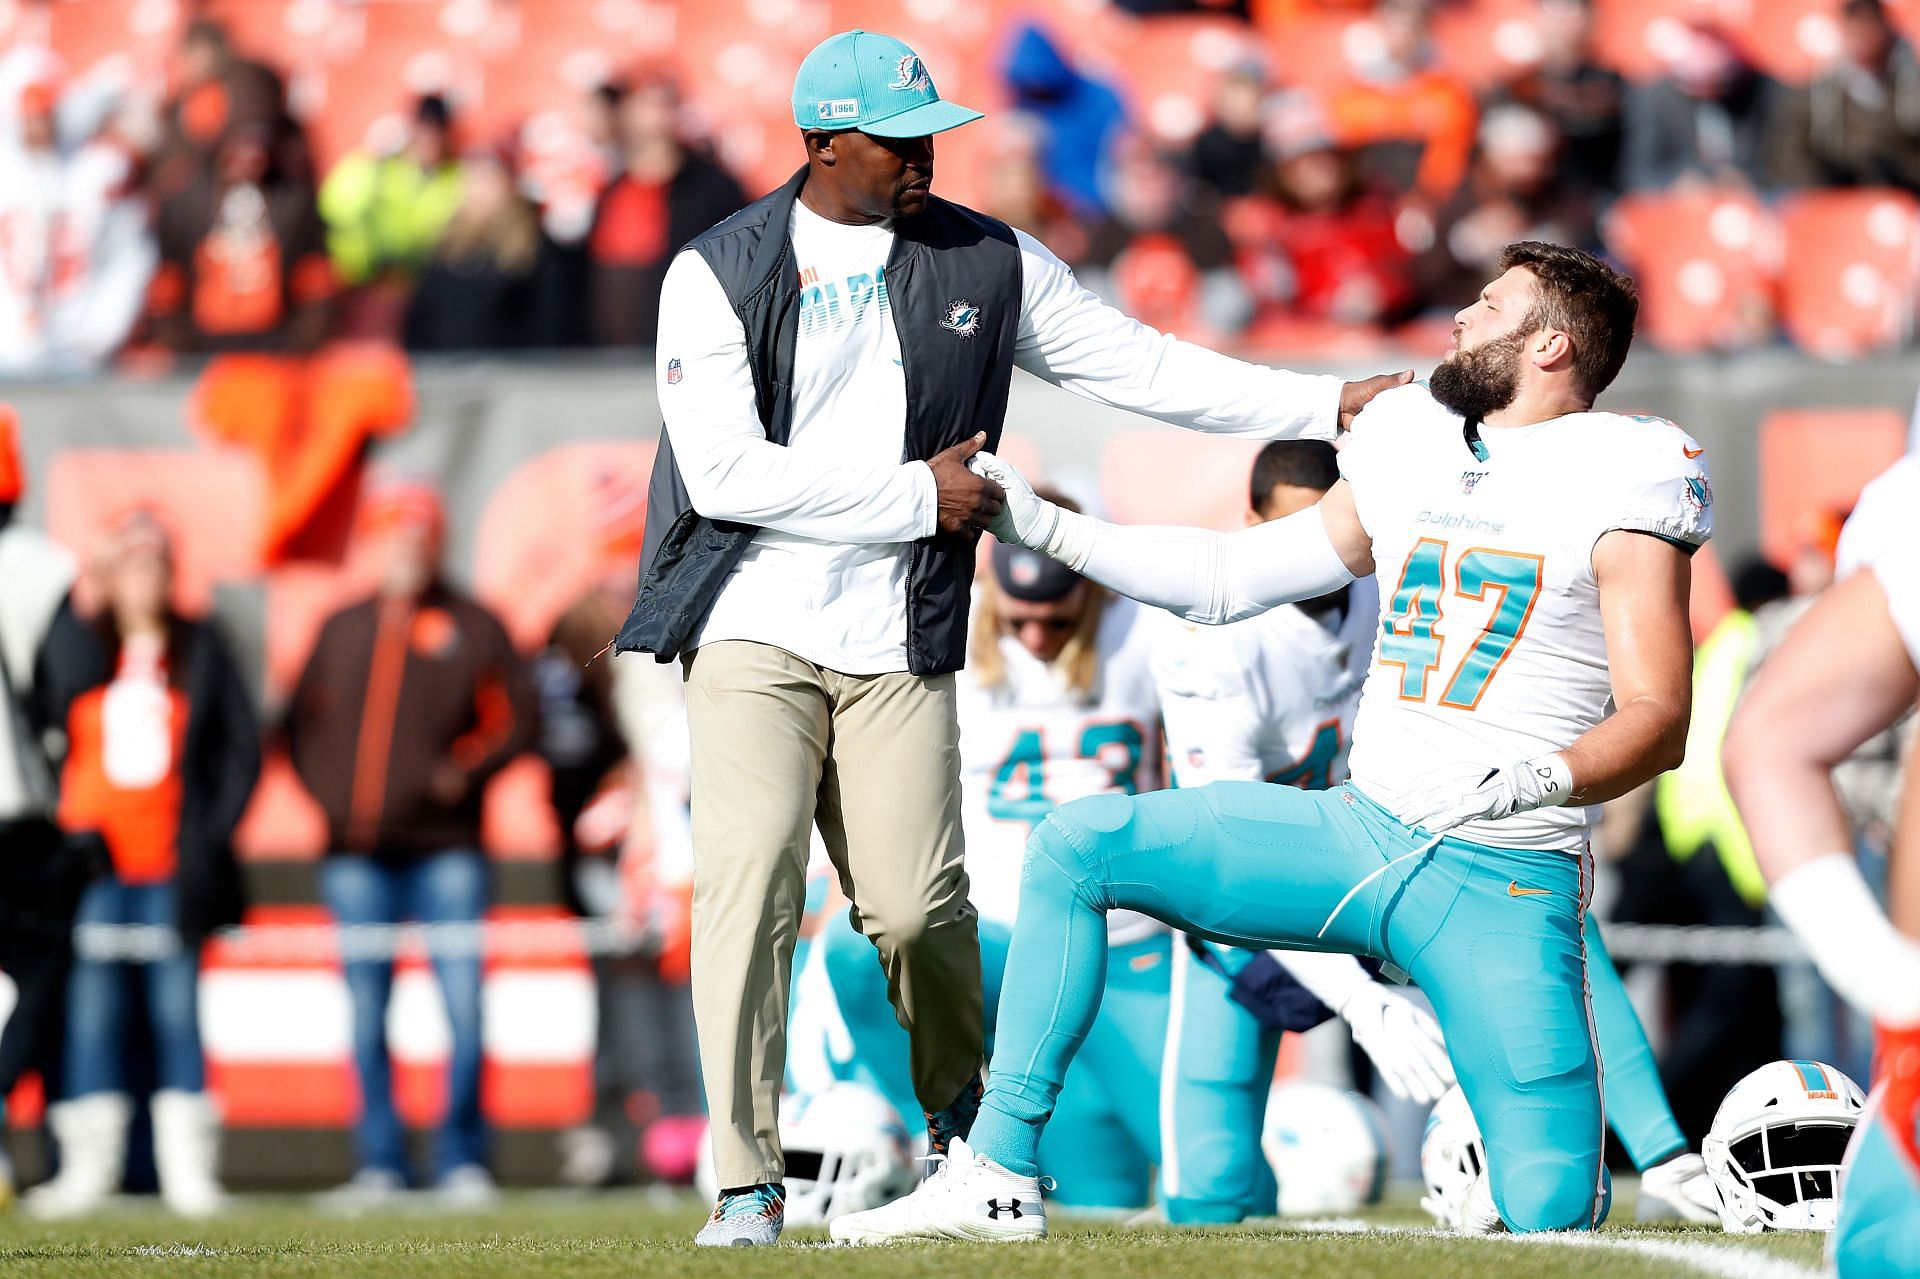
(826, 576)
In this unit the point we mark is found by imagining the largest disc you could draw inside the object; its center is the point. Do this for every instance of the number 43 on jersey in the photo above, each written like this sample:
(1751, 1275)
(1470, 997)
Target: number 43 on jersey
(1415, 626)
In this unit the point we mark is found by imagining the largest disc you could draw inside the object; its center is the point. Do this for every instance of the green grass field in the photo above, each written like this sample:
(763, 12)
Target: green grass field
(628, 1234)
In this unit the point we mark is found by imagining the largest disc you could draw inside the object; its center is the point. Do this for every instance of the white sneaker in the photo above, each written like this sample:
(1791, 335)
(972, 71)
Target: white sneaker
(369, 1190)
(1679, 1188)
(92, 1132)
(186, 1152)
(968, 1197)
(467, 1188)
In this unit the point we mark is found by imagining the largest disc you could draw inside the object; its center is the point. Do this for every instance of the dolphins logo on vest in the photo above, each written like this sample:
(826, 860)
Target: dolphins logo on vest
(962, 318)
(911, 74)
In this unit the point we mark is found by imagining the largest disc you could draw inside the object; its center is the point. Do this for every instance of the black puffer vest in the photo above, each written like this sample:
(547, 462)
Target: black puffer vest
(953, 283)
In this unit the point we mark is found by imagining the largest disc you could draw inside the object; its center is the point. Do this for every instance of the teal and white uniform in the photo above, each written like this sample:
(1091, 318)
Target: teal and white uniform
(1878, 1236)
(1271, 698)
(1028, 744)
(1491, 651)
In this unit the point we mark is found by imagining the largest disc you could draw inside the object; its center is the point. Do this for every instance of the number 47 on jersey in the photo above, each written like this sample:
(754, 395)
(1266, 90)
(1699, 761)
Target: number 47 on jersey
(1415, 624)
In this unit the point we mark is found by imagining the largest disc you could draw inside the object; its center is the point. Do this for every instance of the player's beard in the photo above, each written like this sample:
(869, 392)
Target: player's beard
(1481, 381)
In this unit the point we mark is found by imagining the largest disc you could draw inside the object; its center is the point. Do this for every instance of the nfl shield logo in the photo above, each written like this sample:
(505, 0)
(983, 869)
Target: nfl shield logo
(673, 372)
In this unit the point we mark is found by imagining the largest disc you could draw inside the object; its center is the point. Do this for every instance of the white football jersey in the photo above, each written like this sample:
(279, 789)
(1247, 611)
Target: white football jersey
(1883, 534)
(1029, 744)
(1271, 698)
(1491, 648)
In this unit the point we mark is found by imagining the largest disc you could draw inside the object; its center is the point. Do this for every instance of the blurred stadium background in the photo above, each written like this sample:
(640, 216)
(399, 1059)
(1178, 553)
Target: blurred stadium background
(464, 207)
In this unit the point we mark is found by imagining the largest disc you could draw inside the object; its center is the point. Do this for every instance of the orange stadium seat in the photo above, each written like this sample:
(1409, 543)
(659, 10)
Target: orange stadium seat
(1310, 51)
(1209, 479)
(1488, 42)
(1814, 462)
(1704, 261)
(1170, 86)
(139, 35)
(381, 55)
(1793, 39)
(544, 60)
(1790, 39)
(741, 82)
(1634, 36)
(1852, 270)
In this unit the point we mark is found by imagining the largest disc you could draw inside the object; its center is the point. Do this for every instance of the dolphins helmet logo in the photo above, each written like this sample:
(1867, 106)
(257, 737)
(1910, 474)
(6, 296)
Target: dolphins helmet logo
(962, 318)
(911, 74)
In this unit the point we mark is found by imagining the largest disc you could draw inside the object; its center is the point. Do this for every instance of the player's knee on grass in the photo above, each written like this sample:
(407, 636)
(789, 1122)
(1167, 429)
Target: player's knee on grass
(1204, 1212)
(1545, 1194)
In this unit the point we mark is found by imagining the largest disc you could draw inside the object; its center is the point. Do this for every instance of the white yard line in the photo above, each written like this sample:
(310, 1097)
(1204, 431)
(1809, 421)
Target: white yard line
(1707, 1259)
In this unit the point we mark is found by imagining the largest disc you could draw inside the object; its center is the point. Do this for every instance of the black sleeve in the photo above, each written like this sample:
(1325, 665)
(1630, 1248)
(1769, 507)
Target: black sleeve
(68, 663)
(235, 737)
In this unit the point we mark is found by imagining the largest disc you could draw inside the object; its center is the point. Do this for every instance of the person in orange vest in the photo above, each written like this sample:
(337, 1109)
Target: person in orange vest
(162, 752)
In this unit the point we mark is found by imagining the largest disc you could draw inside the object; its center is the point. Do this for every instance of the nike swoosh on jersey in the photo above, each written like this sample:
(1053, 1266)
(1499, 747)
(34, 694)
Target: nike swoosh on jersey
(1693, 452)
(1514, 890)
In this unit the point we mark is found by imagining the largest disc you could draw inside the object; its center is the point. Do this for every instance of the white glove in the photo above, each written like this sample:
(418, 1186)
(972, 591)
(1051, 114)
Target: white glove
(1027, 519)
(1683, 1185)
(1544, 781)
(1402, 1039)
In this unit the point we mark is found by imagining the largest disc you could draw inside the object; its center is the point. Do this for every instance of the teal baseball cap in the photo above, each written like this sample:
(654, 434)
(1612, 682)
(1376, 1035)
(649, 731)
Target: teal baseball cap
(874, 83)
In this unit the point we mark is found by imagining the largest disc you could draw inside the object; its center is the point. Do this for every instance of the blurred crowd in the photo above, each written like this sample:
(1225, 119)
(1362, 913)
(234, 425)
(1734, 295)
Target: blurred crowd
(1375, 197)
(131, 747)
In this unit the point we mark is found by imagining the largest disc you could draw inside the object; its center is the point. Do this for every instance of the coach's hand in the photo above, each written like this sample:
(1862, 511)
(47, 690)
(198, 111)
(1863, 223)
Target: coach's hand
(1355, 396)
(1402, 1041)
(967, 500)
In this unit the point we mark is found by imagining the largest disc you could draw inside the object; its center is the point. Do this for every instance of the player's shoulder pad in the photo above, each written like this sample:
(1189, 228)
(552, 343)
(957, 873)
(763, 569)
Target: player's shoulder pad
(1884, 516)
(1400, 405)
(1660, 480)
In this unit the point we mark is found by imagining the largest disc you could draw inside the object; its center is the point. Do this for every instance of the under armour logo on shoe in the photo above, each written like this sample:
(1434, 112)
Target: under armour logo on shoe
(995, 1208)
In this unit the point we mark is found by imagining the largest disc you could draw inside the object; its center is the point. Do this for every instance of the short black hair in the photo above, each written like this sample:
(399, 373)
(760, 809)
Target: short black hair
(1757, 583)
(1582, 296)
(432, 110)
(1307, 464)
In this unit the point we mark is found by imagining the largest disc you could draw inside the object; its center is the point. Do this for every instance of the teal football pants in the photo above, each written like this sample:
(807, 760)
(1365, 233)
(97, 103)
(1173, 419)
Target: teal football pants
(1220, 1069)
(1213, 1097)
(1493, 936)
(1105, 1136)
(1879, 1232)
(1637, 1106)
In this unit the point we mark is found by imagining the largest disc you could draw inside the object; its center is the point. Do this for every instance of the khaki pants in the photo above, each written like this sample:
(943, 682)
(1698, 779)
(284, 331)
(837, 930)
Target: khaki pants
(780, 745)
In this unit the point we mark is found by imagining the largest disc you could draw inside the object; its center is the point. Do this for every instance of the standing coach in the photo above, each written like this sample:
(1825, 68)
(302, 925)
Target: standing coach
(829, 357)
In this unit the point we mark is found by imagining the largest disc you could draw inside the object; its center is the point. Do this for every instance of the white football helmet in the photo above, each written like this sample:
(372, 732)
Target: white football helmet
(1776, 1146)
(1327, 1147)
(846, 1151)
(1452, 1158)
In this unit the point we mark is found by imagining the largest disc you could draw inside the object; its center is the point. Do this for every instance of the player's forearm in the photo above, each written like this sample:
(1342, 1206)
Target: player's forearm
(1903, 870)
(1629, 748)
(1206, 577)
(1783, 787)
